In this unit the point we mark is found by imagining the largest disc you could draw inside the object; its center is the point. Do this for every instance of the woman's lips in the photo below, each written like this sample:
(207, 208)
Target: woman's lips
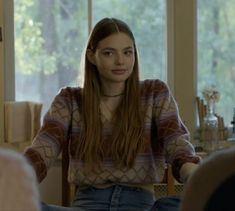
(118, 71)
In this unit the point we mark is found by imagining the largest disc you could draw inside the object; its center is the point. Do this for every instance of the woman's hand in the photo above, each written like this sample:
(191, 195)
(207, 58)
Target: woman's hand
(186, 170)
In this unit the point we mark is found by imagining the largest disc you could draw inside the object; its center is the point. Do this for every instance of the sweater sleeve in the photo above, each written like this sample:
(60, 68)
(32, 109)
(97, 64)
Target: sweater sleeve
(172, 133)
(54, 132)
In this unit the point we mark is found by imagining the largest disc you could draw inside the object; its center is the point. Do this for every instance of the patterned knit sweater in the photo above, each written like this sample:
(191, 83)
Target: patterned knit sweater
(166, 139)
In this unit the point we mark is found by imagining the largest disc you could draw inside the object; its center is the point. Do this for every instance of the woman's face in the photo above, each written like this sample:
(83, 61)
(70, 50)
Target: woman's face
(114, 58)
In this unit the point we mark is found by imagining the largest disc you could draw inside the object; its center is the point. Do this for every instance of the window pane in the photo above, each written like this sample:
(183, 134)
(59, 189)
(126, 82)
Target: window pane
(216, 50)
(147, 20)
(49, 39)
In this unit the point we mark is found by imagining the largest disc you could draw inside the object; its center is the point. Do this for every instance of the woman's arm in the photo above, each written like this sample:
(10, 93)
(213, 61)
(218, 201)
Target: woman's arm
(174, 135)
(54, 132)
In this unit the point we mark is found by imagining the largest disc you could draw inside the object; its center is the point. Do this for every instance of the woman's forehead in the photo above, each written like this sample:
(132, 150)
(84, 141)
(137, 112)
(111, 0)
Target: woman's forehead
(116, 41)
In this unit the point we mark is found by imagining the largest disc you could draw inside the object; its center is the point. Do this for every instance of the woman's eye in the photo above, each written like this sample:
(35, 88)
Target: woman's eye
(108, 53)
(129, 53)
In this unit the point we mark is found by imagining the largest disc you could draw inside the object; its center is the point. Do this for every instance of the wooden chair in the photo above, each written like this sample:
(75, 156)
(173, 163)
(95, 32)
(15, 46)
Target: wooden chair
(170, 181)
(66, 187)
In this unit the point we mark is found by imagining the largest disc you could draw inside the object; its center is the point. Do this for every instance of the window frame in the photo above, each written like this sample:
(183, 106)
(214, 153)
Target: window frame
(182, 32)
(1, 75)
(181, 44)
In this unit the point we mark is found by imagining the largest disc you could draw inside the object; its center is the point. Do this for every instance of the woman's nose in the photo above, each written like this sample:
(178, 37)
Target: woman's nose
(119, 59)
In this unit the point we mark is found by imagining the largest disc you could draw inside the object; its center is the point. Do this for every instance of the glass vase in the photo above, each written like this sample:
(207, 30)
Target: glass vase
(210, 129)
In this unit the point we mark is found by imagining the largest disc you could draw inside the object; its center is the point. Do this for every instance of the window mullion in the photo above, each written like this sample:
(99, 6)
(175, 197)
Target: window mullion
(1, 76)
(89, 13)
(170, 43)
(183, 68)
(9, 55)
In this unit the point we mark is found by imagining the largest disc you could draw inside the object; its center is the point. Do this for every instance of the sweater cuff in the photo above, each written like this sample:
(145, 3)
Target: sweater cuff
(34, 158)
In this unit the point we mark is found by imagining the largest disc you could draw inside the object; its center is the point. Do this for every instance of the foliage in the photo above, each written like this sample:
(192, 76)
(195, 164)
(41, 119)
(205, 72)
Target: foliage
(30, 55)
(70, 22)
(216, 50)
(50, 36)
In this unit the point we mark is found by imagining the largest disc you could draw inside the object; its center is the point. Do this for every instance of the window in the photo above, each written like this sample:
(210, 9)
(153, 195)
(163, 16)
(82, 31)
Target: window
(148, 19)
(50, 37)
(216, 50)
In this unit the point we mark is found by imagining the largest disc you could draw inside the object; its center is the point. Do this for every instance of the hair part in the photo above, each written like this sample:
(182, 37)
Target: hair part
(127, 139)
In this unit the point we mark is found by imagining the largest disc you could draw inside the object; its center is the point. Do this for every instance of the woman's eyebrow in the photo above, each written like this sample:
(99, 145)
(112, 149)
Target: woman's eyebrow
(108, 48)
(113, 49)
(129, 48)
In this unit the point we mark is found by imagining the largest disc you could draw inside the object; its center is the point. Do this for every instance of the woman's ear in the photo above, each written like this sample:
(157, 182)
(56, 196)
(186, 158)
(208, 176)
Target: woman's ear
(91, 56)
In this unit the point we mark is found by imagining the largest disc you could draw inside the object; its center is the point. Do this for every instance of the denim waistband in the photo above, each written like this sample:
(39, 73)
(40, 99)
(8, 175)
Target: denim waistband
(147, 187)
(113, 198)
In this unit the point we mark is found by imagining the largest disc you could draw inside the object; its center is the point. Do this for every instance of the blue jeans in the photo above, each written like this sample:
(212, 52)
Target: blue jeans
(167, 203)
(114, 198)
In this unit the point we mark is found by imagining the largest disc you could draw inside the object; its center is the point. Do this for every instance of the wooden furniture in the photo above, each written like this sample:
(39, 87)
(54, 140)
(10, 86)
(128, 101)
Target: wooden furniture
(170, 181)
(21, 123)
(66, 187)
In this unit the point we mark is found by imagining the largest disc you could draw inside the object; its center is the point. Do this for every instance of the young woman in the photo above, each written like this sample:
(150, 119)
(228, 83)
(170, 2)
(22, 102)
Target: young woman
(121, 131)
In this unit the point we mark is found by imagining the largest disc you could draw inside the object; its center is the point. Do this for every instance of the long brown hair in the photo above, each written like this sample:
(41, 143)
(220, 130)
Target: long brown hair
(127, 138)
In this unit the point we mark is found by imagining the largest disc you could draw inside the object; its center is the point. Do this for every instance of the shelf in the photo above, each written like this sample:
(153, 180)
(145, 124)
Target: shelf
(18, 146)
